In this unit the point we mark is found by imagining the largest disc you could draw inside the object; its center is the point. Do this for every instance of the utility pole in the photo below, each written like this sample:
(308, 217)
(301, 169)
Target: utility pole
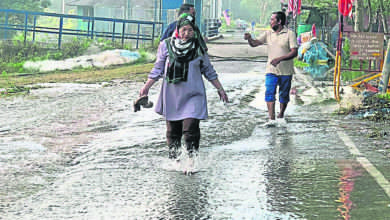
(385, 72)
(126, 10)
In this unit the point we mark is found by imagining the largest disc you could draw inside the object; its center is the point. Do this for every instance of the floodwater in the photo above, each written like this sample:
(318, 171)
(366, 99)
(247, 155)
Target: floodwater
(73, 151)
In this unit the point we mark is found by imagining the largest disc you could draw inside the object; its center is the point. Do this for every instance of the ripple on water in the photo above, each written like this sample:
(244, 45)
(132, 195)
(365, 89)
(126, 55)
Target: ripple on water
(122, 172)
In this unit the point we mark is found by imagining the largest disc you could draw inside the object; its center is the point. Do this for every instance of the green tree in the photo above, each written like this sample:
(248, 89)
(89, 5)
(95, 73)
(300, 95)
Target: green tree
(328, 7)
(27, 5)
(359, 16)
(377, 10)
(384, 9)
(252, 8)
(258, 10)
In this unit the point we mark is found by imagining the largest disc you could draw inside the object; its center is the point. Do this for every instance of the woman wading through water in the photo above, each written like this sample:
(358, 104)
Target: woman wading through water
(181, 61)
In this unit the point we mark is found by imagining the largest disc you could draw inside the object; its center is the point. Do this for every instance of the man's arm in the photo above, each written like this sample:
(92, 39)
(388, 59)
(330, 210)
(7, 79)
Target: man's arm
(169, 31)
(252, 42)
(293, 53)
(292, 41)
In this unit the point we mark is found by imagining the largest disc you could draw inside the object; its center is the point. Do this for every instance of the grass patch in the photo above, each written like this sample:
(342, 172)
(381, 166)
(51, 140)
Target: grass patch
(351, 75)
(13, 54)
(127, 72)
(9, 86)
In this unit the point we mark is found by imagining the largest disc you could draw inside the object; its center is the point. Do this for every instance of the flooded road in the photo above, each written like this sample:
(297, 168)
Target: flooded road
(79, 152)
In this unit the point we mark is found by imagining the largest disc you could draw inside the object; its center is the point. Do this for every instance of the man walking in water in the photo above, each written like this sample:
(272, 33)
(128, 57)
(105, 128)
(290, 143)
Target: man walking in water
(282, 48)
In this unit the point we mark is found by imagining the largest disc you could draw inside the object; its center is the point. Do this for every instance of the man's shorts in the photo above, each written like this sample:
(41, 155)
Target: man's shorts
(284, 83)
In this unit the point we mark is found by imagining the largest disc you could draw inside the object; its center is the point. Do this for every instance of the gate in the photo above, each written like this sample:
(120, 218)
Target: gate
(211, 27)
(130, 29)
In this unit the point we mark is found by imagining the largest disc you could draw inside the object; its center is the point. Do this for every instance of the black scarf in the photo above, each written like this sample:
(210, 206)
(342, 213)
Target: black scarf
(181, 53)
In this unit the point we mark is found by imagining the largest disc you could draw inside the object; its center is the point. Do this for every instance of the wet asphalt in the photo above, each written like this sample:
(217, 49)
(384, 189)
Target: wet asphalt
(71, 151)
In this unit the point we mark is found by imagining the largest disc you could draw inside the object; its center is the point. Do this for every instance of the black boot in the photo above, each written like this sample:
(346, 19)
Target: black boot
(191, 132)
(174, 150)
(192, 148)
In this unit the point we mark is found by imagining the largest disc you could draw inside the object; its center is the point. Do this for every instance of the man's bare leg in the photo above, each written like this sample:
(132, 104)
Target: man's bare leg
(271, 110)
(283, 107)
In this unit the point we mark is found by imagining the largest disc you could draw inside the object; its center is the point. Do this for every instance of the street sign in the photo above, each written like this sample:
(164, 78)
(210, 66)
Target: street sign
(366, 45)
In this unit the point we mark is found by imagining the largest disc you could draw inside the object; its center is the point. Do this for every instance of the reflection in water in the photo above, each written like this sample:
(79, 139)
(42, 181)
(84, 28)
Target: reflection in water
(81, 153)
(188, 198)
(346, 186)
(278, 168)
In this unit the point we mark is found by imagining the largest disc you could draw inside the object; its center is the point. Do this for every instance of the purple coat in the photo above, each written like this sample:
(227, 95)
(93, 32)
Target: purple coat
(183, 99)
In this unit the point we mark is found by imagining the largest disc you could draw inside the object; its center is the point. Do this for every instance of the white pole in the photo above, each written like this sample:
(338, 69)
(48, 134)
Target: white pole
(386, 71)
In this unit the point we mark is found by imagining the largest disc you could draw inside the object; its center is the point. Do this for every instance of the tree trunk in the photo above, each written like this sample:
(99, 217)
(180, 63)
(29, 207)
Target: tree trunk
(358, 16)
(263, 18)
(384, 17)
(385, 71)
(369, 10)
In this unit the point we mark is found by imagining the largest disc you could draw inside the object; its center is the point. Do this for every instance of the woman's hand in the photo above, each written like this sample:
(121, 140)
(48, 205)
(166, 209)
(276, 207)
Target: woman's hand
(146, 87)
(221, 91)
(223, 96)
(144, 91)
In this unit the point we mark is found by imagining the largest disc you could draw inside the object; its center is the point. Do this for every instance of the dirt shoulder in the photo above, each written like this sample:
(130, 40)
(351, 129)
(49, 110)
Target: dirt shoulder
(129, 72)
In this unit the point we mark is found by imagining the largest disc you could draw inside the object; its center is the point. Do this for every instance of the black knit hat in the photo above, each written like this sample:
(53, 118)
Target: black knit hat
(185, 19)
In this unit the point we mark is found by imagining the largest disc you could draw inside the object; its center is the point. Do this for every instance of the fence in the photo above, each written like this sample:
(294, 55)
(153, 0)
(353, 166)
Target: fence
(211, 26)
(374, 65)
(129, 29)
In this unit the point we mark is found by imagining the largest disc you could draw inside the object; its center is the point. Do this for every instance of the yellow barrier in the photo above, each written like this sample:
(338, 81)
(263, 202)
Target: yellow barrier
(366, 80)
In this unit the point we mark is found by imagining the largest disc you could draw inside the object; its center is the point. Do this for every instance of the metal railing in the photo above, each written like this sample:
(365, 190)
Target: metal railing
(212, 26)
(373, 66)
(89, 22)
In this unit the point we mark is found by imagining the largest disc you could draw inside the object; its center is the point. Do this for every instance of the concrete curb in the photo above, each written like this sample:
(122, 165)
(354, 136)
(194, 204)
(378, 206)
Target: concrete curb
(219, 36)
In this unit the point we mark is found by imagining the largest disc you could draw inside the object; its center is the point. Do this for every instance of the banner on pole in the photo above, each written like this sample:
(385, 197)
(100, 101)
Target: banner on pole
(294, 6)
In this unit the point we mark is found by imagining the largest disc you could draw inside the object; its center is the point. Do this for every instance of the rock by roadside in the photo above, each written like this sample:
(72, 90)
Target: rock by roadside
(99, 60)
(372, 108)
(310, 91)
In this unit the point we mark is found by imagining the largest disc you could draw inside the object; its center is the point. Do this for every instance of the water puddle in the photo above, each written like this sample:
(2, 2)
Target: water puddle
(80, 152)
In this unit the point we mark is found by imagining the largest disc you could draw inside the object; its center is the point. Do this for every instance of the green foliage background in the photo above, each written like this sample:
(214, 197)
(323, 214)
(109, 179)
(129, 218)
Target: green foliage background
(27, 5)
(255, 10)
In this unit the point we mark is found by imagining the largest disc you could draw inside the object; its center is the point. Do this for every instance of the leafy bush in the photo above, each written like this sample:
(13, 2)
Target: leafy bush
(10, 87)
(17, 51)
(355, 64)
(351, 75)
(14, 53)
(105, 44)
(300, 64)
(143, 57)
(156, 42)
(73, 48)
(346, 51)
(384, 96)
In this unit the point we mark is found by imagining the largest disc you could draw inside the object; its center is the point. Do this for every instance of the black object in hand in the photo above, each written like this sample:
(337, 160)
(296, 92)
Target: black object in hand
(142, 101)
